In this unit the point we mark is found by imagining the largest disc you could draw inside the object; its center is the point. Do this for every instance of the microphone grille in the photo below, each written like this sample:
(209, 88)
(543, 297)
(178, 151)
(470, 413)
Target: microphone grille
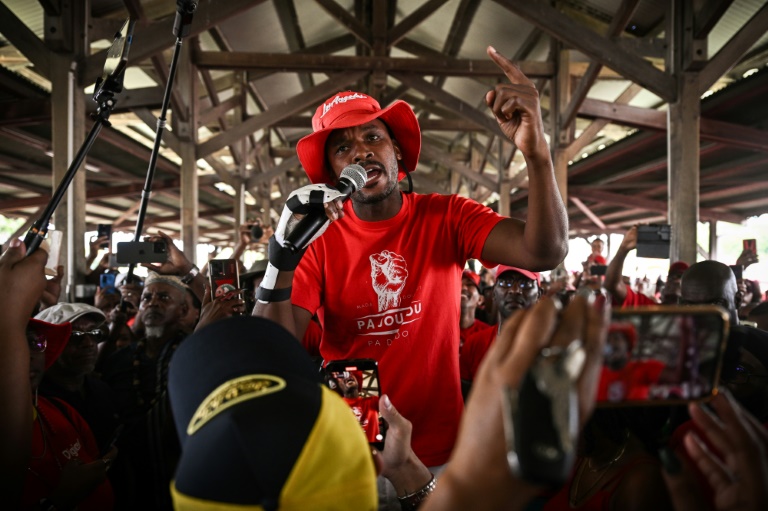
(355, 174)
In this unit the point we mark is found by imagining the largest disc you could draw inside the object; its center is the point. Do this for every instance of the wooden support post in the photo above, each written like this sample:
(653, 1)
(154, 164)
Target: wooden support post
(186, 131)
(713, 240)
(505, 187)
(68, 134)
(683, 143)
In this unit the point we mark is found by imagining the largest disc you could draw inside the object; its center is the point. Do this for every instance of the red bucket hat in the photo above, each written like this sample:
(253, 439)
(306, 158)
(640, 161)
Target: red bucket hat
(348, 109)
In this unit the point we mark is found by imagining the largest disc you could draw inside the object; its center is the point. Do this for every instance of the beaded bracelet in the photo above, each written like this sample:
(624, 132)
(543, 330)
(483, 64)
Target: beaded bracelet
(412, 501)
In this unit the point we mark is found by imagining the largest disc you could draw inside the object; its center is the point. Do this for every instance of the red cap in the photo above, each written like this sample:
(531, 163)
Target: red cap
(474, 277)
(530, 274)
(348, 109)
(678, 267)
(600, 260)
(57, 336)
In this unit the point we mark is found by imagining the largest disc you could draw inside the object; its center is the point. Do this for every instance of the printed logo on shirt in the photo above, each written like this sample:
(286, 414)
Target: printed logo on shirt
(73, 451)
(389, 272)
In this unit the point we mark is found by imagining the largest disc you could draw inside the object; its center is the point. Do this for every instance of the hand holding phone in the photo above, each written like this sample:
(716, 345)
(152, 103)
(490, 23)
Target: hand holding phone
(104, 231)
(663, 355)
(357, 382)
(749, 254)
(223, 277)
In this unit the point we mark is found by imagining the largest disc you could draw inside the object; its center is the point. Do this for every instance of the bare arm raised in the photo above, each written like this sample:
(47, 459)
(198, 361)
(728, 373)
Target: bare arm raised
(541, 242)
(613, 274)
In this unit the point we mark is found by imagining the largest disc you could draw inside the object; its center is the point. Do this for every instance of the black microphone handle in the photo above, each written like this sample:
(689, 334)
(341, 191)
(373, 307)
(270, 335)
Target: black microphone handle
(314, 220)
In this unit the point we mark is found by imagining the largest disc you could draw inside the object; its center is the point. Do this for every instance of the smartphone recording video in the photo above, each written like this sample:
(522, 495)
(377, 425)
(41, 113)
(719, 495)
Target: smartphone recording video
(662, 355)
(750, 245)
(223, 277)
(357, 382)
(104, 230)
(135, 252)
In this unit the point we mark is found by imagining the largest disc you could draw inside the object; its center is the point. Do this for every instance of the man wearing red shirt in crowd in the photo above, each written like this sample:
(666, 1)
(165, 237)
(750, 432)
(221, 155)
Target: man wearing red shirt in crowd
(382, 277)
(514, 289)
(623, 378)
(623, 295)
(470, 299)
(365, 408)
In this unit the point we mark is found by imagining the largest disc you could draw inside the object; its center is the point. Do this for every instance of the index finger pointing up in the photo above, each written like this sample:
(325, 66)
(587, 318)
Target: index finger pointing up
(511, 69)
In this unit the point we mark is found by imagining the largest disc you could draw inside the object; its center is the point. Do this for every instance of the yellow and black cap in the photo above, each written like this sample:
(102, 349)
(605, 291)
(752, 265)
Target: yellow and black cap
(258, 429)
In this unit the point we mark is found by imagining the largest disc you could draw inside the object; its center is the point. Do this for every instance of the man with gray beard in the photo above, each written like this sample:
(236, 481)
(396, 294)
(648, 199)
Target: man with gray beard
(138, 374)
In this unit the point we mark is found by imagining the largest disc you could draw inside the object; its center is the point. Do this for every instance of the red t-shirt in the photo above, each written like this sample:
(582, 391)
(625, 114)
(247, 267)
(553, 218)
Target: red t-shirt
(633, 381)
(311, 339)
(366, 410)
(636, 300)
(474, 350)
(388, 290)
(465, 333)
(67, 438)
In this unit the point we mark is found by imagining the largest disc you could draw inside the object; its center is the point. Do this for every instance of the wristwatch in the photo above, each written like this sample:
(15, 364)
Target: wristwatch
(189, 277)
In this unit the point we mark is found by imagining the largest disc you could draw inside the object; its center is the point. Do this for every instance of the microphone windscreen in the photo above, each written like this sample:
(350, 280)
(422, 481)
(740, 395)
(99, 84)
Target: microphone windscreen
(355, 174)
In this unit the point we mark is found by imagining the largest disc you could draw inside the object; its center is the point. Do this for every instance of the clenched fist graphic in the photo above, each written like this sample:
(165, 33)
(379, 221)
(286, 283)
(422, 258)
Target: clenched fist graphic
(388, 273)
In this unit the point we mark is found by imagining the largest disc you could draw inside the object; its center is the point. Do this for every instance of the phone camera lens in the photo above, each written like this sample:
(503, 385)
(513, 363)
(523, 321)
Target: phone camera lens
(256, 231)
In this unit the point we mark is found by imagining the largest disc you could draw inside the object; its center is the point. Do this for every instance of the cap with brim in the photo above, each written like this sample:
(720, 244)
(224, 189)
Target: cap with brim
(678, 267)
(257, 427)
(69, 313)
(474, 277)
(56, 336)
(530, 274)
(348, 109)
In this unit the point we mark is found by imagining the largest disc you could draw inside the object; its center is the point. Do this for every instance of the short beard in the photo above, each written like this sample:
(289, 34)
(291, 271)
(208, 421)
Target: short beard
(360, 198)
(154, 332)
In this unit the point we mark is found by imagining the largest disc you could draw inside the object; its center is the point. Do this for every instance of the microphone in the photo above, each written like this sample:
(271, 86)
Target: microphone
(352, 178)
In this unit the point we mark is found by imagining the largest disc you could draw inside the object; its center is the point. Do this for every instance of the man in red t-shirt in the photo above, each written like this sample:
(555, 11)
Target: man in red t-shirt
(470, 299)
(514, 289)
(365, 408)
(382, 277)
(623, 294)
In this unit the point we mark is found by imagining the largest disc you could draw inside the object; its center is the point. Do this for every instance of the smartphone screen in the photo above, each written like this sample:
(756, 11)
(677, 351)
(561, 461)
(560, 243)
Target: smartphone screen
(223, 276)
(750, 245)
(662, 355)
(107, 280)
(104, 230)
(357, 382)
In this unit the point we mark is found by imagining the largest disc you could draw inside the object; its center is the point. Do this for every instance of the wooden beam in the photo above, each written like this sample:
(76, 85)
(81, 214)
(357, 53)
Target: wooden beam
(24, 40)
(708, 16)
(340, 14)
(335, 63)
(729, 55)
(458, 106)
(716, 131)
(548, 19)
(634, 201)
(619, 21)
(587, 212)
(152, 39)
(289, 107)
(103, 192)
(411, 21)
(265, 177)
(430, 152)
(590, 132)
(462, 20)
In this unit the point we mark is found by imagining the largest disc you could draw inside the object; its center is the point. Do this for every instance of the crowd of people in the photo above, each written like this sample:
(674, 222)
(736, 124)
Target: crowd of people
(158, 395)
